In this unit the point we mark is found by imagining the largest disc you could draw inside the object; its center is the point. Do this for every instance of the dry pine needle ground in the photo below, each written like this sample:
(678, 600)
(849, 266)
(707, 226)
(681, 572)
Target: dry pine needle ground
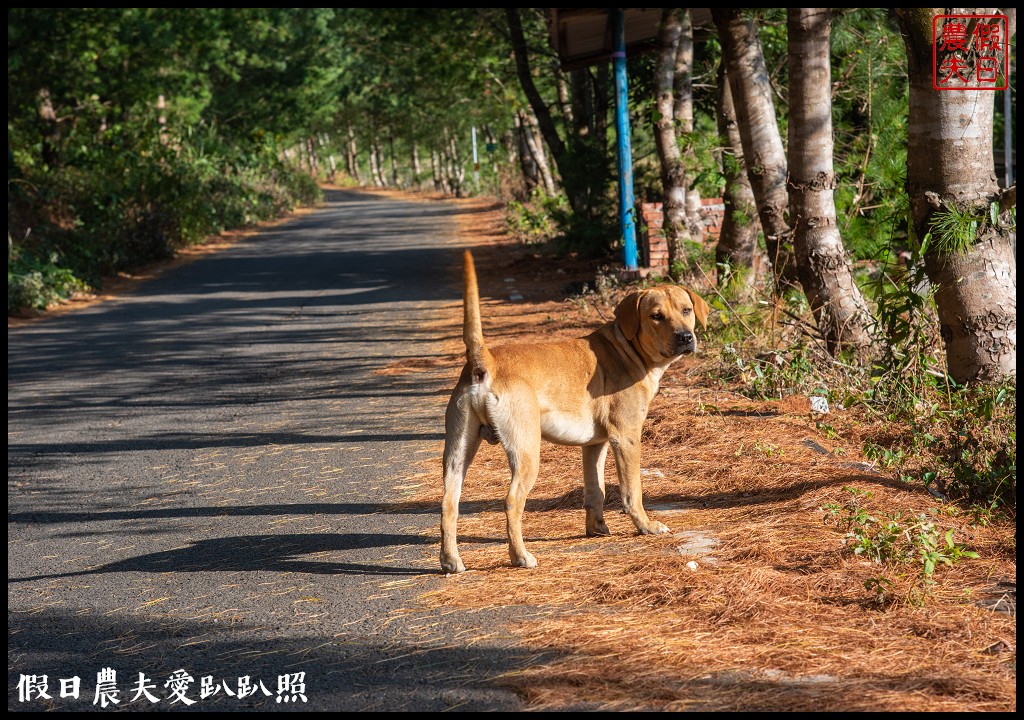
(754, 602)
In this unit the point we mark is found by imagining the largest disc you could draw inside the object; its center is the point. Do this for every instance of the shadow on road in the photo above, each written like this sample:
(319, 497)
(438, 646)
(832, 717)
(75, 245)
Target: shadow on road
(276, 553)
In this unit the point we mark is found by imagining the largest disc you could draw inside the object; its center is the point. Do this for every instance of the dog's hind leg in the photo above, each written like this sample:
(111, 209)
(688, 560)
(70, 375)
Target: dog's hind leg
(461, 441)
(593, 488)
(521, 441)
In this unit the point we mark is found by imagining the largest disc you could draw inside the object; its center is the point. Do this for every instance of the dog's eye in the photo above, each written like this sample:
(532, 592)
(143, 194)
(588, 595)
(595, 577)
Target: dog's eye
(657, 316)
(687, 311)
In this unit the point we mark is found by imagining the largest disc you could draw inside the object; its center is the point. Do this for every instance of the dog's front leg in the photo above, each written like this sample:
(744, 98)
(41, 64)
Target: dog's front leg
(626, 448)
(593, 488)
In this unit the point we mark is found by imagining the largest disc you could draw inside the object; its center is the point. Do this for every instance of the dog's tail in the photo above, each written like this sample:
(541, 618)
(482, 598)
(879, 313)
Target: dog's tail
(479, 357)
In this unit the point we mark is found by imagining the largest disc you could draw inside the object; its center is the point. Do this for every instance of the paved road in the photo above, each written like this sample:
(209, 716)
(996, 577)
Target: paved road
(206, 475)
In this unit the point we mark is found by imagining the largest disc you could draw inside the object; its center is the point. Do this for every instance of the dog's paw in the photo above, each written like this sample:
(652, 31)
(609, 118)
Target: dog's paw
(598, 530)
(654, 528)
(450, 565)
(526, 561)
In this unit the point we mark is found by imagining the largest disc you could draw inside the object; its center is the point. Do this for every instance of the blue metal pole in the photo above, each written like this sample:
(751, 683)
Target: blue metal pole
(622, 129)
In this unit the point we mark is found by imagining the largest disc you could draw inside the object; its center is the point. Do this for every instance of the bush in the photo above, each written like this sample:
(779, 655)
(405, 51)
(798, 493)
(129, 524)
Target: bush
(37, 283)
(133, 194)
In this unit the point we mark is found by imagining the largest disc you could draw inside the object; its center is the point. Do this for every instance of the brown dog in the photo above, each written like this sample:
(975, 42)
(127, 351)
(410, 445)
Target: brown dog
(593, 392)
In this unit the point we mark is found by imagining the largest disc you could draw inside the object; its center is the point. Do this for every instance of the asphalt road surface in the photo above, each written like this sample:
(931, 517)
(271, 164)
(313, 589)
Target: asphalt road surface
(206, 480)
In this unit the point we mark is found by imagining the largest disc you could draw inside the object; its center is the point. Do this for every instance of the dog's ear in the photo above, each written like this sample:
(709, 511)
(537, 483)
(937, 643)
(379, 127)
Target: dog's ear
(700, 308)
(627, 314)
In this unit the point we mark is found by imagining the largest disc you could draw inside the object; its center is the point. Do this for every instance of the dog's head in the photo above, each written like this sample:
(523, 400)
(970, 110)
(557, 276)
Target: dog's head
(660, 321)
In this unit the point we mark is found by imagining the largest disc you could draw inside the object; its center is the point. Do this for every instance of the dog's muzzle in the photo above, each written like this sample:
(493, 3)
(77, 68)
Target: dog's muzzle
(685, 342)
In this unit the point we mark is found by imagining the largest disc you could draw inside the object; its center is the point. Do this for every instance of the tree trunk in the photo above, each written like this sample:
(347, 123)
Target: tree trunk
(49, 132)
(376, 172)
(454, 169)
(602, 104)
(673, 174)
(536, 150)
(737, 243)
(759, 131)
(491, 148)
(575, 183)
(527, 163)
(324, 141)
(950, 172)
(564, 101)
(314, 159)
(540, 109)
(437, 172)
(582, 101)
(682, 111)
(393, 158)
(352, 156)
(825, 273)
(161, 119)
(417, 170)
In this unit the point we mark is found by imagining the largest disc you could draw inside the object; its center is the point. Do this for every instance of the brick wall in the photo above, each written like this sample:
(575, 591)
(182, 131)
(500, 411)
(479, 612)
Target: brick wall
(713, 213)
(651, 229)
(653, 245)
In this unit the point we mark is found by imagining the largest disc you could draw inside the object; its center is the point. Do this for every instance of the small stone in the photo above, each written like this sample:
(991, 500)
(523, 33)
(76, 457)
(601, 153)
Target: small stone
(692, 565)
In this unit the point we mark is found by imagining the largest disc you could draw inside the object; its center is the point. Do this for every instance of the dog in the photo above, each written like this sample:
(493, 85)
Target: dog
(593, 392)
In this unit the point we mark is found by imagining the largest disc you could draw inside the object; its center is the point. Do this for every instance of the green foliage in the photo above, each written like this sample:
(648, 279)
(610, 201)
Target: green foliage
(34, 282)
(977, 440)
(133, 132)
(956, 229)
(869, 114)
(894, 540)
(535, 220)
(774, 374)
(424, 77)
(134, 195)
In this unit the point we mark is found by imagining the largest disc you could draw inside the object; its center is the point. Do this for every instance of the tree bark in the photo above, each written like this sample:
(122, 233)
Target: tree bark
(417, 168)
(352, 156)
(454, 169)
(540, 108)
(437, 172)
(376, 160)
(527, 163)
(311, 154)
(575, 184)
(682, 111)
(602, 104)
(737, 243)
(49, 133)
(836, 301)
(564, 101)
(536, 149)
(393, 158)
(950, 168)
(582, 101)
(759, 131)
(673, 173)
